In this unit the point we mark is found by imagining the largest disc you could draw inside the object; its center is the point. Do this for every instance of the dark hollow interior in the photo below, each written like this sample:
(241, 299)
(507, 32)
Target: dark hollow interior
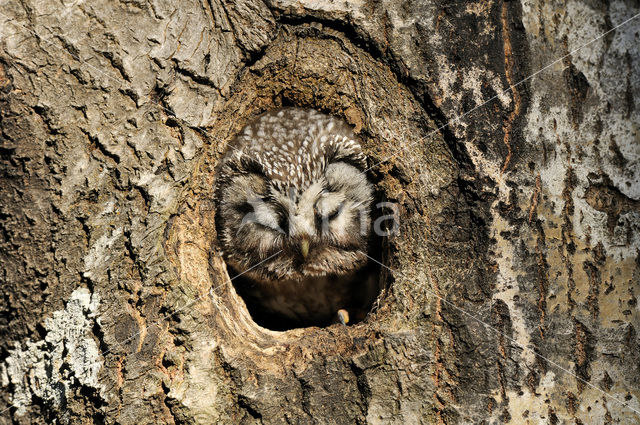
(357, 311)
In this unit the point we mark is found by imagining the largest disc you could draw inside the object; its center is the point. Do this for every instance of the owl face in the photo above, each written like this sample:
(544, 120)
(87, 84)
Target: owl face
(293, 201)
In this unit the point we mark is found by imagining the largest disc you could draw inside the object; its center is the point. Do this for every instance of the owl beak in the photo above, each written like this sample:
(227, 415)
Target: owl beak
(304, 247)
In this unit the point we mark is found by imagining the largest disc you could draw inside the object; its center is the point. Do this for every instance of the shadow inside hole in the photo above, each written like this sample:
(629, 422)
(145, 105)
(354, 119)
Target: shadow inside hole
(313, 303)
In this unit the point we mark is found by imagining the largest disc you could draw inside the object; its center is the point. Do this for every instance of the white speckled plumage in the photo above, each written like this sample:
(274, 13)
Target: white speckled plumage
(293, 177)
(292, 145)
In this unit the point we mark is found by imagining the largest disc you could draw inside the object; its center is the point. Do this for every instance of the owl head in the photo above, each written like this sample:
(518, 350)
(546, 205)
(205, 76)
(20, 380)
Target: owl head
(293, 201)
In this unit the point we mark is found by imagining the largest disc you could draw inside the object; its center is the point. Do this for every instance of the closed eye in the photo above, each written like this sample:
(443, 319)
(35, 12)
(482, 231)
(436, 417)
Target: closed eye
(333, 214)
(328, 216)
(258, 212)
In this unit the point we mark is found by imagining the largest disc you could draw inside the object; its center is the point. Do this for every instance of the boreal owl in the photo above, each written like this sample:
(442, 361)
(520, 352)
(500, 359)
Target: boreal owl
(293, 217)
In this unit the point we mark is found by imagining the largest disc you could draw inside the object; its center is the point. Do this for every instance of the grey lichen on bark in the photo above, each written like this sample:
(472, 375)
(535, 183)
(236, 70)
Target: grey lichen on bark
(511, 293)
(67, 360)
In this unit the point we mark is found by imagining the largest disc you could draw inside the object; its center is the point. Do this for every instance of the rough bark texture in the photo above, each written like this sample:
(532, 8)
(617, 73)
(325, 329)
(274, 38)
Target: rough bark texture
(512, 289)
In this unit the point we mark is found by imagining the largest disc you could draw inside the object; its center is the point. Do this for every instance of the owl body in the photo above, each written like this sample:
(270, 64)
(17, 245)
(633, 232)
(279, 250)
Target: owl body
(293, 214)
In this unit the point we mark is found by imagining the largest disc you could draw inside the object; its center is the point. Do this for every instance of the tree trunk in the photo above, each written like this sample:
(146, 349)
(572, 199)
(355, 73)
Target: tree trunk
(506, 133)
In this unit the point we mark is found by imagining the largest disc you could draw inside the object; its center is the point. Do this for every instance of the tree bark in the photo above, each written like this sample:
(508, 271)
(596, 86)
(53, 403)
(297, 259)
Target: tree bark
(506, 132)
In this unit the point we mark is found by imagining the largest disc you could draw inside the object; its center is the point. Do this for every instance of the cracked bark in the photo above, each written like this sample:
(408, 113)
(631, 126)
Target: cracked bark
(522, 213)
